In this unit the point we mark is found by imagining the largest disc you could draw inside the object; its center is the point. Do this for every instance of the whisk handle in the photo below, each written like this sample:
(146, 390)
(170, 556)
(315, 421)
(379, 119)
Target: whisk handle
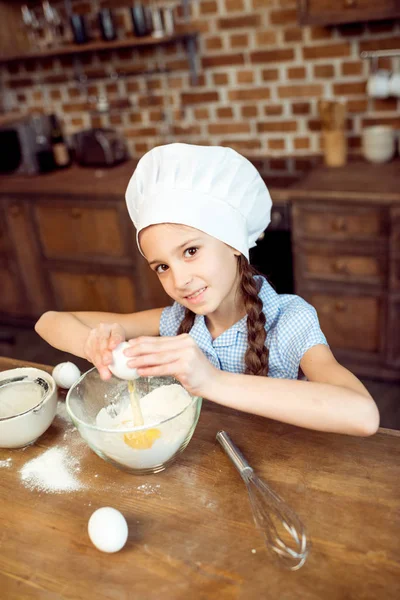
(234, 453)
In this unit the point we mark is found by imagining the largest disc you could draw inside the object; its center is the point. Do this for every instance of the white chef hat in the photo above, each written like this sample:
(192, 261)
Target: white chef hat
(211, 188)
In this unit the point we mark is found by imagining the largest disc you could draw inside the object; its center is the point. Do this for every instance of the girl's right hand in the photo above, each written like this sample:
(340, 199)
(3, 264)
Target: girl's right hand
(100, 343)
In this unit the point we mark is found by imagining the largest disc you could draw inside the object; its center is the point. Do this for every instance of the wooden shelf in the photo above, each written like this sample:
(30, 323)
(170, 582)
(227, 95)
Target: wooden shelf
(101, 46)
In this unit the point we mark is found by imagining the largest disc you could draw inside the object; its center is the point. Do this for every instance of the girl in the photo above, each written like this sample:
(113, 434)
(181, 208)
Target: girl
(229, 336)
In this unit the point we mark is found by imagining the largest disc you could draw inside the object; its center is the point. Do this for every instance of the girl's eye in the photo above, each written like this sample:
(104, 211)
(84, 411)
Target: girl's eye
(161, 268)
(190, 251)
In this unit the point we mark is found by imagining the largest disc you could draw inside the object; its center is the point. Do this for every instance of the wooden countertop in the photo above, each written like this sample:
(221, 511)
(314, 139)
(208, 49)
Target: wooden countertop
(98, 183)
(191, 530)
(358, 181)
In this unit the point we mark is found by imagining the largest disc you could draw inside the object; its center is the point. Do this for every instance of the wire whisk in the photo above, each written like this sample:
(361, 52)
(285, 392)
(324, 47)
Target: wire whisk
(283, 532)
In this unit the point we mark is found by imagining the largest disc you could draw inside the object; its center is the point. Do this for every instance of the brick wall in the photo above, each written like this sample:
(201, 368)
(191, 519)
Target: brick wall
(260, 76)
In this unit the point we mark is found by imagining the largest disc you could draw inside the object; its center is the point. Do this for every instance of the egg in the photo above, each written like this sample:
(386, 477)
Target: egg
(119, 366)
(108, 529)
(65, 374)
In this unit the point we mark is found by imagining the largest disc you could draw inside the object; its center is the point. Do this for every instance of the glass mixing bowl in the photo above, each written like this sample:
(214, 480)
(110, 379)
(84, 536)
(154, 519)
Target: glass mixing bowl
(90, 394)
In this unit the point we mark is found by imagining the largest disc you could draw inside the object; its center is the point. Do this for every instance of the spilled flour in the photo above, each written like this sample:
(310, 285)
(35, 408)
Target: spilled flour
(6, 464)
(52, 471)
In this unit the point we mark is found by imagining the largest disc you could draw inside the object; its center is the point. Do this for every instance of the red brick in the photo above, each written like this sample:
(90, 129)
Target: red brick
(55, 94)
(239, 40)
(177, 65)
(208, 8)
(222, 60)
(352, 68)
(135, 117)
(324, 71)
(234, 5)
(132, 86)
(220, 78)
(321, 33)
(77, 122)
(279, 126)
(75, 107)
(186, 130)
(244, 21)
(301, 143)
(225, 112)
(175, 83)
(199, 97)
(265, 56)
(20, 83)
(249, 111)
(214, 43)
(298, 91)
(270, 74)
(245, 76)
(328, 51)
(385, 104)
(392, 43)
(273, 109)
(201, 113)
(301, 108)
(357, 106)
(347, 89)
(278, 144)
(296, 73)
(293, 34)
(242, 145)
(283, 17)
(266, 38)
(256, 93)
(141, 132)
(155, 115)
(115, 119)
(278, 164)
(146, 101)
(221, 128)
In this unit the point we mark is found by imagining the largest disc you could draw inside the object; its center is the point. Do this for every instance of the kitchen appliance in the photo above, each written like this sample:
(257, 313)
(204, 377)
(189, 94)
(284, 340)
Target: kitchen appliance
(273, 254)
(99, 147)
(25, 146)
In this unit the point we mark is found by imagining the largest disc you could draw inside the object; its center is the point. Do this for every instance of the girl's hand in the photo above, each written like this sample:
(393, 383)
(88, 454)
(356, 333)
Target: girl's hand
(100, 343)
(177, 356)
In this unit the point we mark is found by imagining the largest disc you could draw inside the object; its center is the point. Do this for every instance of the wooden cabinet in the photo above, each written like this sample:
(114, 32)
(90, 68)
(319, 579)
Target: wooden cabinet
(71, 253)
(347, 267)
(332, 12)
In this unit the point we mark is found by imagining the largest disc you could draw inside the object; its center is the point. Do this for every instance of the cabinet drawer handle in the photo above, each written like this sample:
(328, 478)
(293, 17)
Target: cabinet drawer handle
(76, 213)
(339, 224)
(15, 210)
(340, 306)
(339, 266)
(350, 3)
(91, 279)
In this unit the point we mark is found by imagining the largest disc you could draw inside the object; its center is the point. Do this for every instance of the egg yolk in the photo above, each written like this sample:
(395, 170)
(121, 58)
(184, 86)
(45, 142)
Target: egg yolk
(142, 439)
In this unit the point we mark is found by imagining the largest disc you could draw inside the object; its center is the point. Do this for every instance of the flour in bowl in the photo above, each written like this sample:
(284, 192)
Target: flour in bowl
(19, 397)
(162, 403)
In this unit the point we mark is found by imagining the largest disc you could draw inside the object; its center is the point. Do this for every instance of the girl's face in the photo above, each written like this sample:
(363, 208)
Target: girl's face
(195, 269)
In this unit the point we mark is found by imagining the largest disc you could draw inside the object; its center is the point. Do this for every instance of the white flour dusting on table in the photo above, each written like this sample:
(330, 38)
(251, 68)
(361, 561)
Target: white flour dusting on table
(53, 471)
(6, 464)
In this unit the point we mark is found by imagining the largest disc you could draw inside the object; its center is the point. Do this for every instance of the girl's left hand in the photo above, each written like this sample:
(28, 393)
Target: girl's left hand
(177, 356)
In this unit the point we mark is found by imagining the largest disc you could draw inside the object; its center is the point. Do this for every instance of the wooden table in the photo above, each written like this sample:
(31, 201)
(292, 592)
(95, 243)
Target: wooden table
(191, 529)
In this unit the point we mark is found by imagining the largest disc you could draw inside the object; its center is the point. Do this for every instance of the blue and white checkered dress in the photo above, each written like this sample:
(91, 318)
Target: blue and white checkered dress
(292, 328)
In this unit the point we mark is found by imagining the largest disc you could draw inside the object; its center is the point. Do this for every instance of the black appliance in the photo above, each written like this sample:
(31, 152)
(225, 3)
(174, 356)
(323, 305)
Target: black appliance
(273, 254)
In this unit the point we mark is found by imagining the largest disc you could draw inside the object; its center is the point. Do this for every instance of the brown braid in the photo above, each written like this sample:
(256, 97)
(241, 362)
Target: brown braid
(256, 357)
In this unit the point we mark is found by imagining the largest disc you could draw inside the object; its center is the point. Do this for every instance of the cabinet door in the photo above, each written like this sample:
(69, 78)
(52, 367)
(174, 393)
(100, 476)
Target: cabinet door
(69, 231)
(12, 295)
(349, 322)
(93, 291)
(339, 223)
(26, 257)
(331, 12)
(337, 263)
(393, 335)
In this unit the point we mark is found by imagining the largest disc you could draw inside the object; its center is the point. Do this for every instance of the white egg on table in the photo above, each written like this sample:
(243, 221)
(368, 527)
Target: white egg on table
(108, 529)
(65, 374)
(119, 366)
